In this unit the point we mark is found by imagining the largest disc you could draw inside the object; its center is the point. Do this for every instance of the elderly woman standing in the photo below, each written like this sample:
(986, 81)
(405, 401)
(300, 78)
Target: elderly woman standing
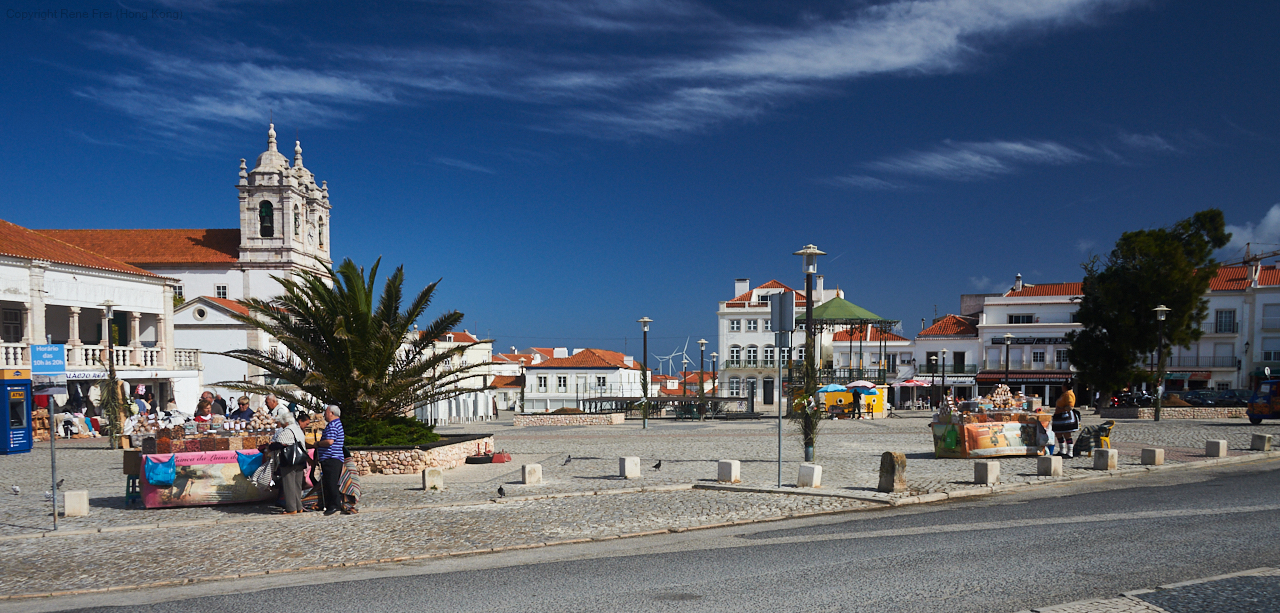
(290, 474)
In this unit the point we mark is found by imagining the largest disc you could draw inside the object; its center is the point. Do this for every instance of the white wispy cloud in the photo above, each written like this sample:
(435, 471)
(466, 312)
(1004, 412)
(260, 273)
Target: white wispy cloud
(867, 182)
(711, 68)
(462, 165)
(1263, 235)
(1085, 245)
(963, 161)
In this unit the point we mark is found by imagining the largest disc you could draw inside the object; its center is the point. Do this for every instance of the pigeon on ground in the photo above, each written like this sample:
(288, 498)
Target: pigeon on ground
(48, 495)
(502, 493)
(60, 482)
(567, 459)
(658, 466)
(16, 490)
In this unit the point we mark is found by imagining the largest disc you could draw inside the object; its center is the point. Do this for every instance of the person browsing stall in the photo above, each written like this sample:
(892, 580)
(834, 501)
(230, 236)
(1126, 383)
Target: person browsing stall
(242, 412)
(331, 458)
(291, 475)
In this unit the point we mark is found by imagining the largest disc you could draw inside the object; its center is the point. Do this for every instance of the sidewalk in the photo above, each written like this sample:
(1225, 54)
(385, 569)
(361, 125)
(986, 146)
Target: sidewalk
(1250, 591)
(399, 519)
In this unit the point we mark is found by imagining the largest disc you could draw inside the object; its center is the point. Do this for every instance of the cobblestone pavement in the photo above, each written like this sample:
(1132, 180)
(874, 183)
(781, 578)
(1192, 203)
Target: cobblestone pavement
(849, 452)
(109, 559)
(1248, 592)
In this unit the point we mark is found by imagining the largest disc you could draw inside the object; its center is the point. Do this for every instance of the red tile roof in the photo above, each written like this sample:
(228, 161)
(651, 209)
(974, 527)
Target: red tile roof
(858, 333)
(142, 247)
(459, 337)
(1236, 278)
(230, 305)
(951, 325)
(773, 284)
(545, 351)
(589, 358)
(507, 381)
(1049, 289)
(21, 242)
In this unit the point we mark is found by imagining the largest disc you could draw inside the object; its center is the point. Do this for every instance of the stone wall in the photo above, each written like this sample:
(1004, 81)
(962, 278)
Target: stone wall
(411, 461)
(584, 419)
(1172, 413)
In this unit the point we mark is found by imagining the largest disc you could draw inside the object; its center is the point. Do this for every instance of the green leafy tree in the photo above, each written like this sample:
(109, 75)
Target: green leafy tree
(1171, 266)
(344, 350)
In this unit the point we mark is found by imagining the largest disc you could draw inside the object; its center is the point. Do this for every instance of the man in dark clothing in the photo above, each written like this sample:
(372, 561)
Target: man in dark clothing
(242, 412)
(219, 405)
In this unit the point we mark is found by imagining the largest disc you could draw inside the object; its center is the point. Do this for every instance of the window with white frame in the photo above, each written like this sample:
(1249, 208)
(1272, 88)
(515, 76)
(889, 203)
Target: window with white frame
(735, 354)
(179, 292)
(768, 354)
(1225, 321)
(1023, 318)
(752, 353)
(768, 325)
(600, 381)
(753, 325)
(1271, 349)
(1037, 356)
(220, 291)
(542, 383)
(800, 353)
(1061, 357)
(1223, 386)
(735, 325)
(562, 383)
(784, 354)
(735, 386)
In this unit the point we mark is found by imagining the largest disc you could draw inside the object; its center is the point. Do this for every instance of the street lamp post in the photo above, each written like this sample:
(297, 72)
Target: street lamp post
(644, 360)
(684, 372)
(715, 372)
(933, 368)
(702, 362)
(1008, 340)
(943, 351)
(1161, 312)
(810, 254)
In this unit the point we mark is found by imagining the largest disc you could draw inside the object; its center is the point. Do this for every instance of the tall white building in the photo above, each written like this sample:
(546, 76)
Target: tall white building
(284, 227)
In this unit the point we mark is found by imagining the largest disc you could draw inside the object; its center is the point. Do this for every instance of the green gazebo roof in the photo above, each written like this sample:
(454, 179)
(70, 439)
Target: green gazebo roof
(841, 310)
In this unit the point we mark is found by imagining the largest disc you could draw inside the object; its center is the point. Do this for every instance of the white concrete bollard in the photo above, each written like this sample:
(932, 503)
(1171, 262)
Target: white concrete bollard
(1049, 466)
(1152, 456)
(76, 503)
(810, 476)
(1260, 442)
(729, 471)
(531, 474)
(629, 467)
(432, 479)
(1215, 449)
(986, 472)
(1105, 459)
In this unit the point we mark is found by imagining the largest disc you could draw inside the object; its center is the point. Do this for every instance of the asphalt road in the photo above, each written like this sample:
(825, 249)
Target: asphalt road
(1002, 553)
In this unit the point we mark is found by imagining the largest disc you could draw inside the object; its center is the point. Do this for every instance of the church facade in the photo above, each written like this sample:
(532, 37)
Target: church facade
(284, 228)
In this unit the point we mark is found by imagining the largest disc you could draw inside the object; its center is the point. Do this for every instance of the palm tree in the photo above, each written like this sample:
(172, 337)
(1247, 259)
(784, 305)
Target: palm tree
(343, 351)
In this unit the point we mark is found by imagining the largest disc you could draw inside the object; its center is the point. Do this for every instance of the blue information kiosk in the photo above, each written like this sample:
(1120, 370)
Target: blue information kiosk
(16, 430)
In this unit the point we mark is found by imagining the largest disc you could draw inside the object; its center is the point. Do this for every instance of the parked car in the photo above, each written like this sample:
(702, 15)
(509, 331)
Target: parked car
(1200, 398)
(1233, 398)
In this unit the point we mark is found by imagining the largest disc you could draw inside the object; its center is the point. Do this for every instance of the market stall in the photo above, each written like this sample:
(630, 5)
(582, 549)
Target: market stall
(994, 426)
(202, 463)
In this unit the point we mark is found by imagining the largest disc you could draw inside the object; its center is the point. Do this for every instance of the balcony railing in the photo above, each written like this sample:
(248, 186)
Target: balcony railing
(1228, 361)
(751, 364)
(840, 375)
(1048, 365)
(1221, 327)
(14, 354)
(952, 369)
(186, 359)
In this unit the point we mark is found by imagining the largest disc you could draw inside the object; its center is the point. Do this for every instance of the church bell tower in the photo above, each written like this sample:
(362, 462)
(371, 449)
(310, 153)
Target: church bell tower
(284, 215)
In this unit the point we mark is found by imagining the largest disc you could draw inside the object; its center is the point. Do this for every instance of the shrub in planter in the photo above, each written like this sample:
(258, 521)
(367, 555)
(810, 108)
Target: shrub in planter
(567, 411)
(393, 431)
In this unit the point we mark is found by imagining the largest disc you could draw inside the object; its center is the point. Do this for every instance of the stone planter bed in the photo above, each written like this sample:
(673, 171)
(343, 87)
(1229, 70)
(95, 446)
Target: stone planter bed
(1172, 412)
(582, 419)
(448, 452)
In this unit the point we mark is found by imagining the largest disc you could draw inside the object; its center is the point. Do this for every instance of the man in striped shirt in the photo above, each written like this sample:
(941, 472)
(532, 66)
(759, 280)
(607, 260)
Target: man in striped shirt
(331, 458)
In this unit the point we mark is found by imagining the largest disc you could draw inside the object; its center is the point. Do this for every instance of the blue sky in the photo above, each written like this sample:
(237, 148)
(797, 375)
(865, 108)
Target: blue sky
(570, 166)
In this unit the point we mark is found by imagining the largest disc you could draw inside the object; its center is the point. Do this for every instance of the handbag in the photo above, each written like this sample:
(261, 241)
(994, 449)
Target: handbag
(262, 477)
(293, 455)
(249, 463)
(162, 474)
